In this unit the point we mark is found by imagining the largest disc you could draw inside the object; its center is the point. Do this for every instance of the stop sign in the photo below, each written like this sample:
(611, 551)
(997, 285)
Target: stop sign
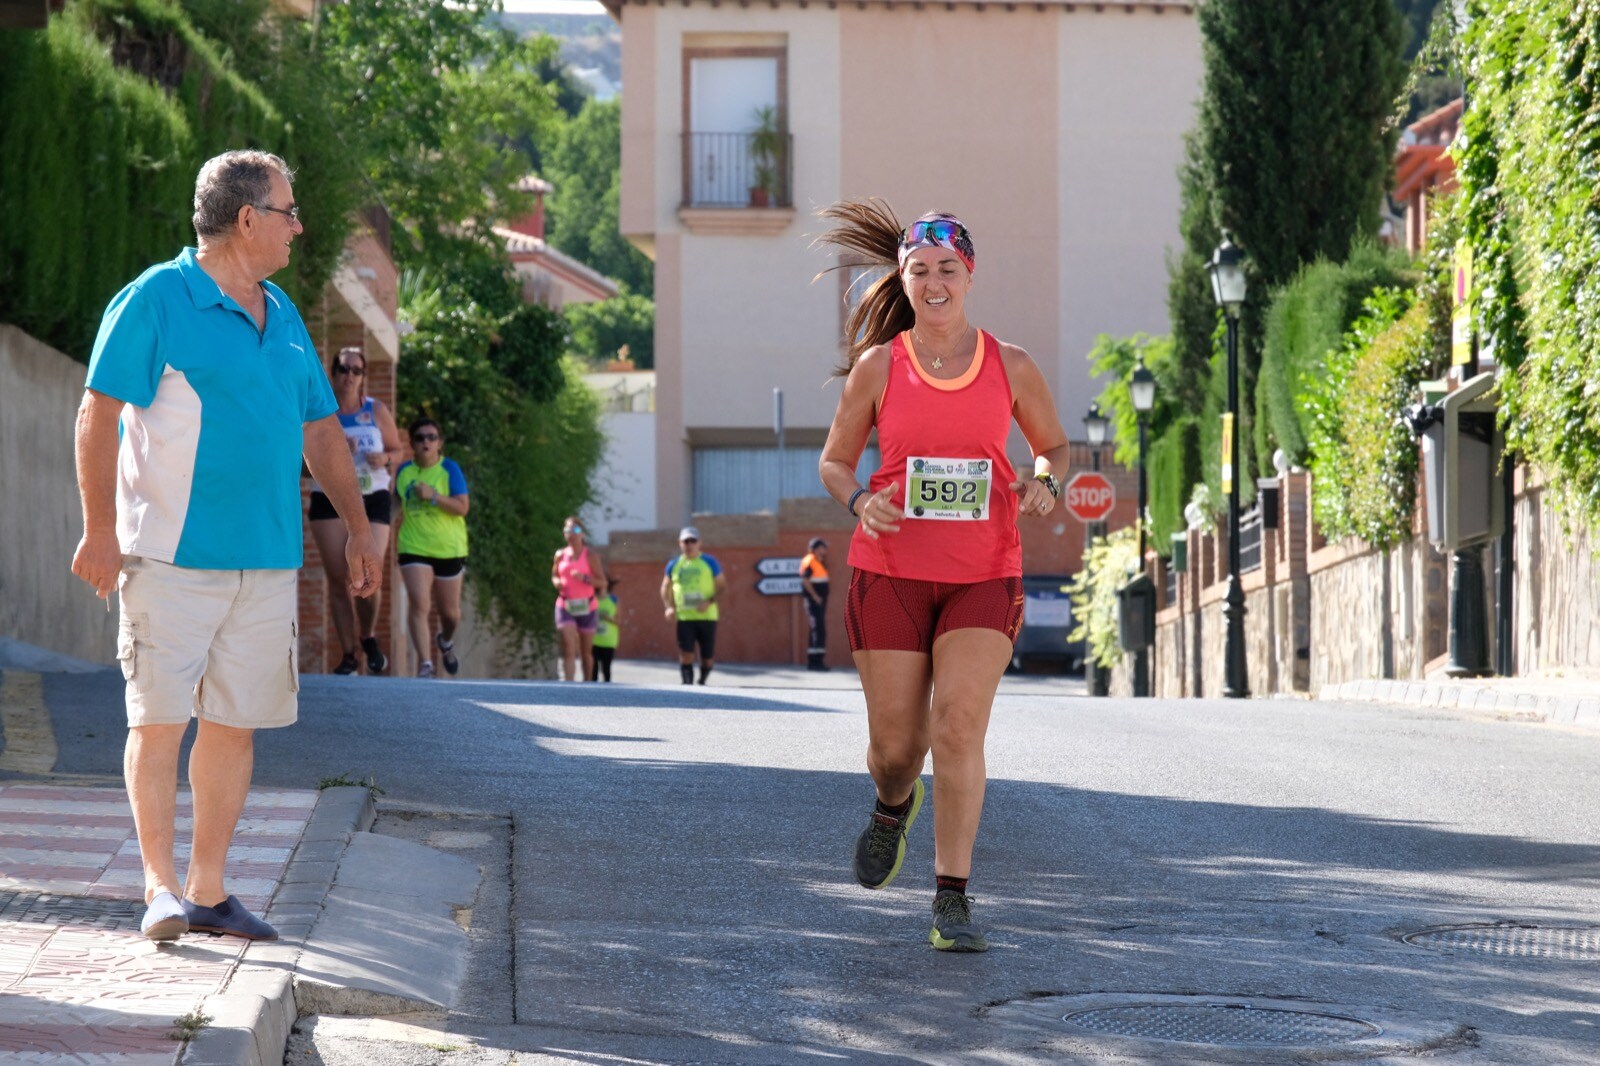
(1089, 496)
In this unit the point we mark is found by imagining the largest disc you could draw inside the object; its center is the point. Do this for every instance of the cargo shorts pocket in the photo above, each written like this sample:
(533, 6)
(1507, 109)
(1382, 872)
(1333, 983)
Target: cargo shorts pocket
(294, 657)
(133, 632)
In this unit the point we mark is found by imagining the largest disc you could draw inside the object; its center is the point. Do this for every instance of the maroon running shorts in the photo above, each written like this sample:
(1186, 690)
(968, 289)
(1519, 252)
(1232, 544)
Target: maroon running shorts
(883, 613)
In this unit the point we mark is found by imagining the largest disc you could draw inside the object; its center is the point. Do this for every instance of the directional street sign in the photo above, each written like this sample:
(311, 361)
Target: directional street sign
(1089, 496)
(777, 567)
(779, 586)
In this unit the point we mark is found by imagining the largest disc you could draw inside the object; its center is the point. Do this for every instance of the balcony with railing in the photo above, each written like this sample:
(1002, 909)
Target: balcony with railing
(724, 173)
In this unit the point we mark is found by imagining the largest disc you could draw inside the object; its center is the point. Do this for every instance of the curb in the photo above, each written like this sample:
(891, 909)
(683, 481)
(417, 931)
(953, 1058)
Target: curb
(1582, 712)
(251, 1019)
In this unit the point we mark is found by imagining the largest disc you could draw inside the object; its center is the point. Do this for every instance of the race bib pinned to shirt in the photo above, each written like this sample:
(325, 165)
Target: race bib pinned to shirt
(954, 490)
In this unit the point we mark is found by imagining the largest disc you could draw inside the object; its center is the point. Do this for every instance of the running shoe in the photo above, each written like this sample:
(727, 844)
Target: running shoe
(447, 654)
(881, 847)
(347, 665)
(953, 927)
(377, 662)
(426, 669)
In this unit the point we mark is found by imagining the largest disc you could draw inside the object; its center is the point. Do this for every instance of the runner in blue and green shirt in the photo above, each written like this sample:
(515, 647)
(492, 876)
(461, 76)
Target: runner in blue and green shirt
(689, 593)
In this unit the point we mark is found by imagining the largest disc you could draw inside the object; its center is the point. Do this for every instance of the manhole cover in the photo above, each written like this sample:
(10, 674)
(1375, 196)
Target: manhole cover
(1230, 1024)
(1567, 943)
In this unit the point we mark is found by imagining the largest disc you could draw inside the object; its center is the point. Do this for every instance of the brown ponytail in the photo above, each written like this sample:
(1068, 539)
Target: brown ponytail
(870, 229)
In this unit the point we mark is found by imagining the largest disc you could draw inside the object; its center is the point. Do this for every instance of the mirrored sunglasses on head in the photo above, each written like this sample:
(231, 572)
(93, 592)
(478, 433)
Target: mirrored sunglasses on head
(935, 229)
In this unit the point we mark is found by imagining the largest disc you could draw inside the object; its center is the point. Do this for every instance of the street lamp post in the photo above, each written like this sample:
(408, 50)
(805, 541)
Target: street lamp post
(1142, 389)
(1095, 424)
(1228, 285)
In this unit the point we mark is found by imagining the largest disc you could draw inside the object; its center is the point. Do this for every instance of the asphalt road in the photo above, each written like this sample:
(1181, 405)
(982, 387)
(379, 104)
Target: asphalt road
(667, 874)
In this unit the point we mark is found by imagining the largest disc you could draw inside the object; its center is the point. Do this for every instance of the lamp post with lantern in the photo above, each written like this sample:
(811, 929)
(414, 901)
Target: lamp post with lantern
(1142, 390)
(1095, 425)
(1228, 286)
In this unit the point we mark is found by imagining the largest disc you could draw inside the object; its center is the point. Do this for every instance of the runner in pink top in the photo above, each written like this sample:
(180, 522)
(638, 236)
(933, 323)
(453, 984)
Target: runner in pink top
(935, 596)
(579, 578)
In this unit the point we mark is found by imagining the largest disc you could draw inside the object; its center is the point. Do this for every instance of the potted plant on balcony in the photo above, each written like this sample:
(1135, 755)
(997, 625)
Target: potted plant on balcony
(766, 148)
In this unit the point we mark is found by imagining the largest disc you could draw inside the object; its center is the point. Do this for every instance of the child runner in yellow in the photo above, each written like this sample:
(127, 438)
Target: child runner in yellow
(609, 633)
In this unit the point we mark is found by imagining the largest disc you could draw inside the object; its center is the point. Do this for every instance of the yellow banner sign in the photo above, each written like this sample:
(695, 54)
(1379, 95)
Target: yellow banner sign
(1227, 453)
(1461, 315)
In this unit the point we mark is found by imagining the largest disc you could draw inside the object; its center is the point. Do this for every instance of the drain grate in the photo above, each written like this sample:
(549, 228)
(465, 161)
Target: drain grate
(1225, 1024)
(1510, 940)
(45, 908)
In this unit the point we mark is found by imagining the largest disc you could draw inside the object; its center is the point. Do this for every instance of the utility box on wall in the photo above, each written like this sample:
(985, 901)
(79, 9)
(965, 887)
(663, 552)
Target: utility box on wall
(1461, 448)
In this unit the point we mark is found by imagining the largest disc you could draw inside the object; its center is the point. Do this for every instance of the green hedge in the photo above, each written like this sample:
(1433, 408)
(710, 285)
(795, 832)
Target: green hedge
(110, 110)
(1363, 457)
(94, 178)
(1529, 190)
(1307, 321)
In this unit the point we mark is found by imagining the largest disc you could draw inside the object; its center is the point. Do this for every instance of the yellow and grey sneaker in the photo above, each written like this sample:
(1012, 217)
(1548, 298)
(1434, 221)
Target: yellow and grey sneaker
(881, 847)
(953, 927)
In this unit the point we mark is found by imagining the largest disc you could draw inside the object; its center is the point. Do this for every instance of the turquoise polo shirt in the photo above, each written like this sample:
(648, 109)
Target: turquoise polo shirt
(208, 460)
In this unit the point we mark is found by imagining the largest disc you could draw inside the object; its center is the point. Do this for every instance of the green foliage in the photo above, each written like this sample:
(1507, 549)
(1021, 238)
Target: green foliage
(1173, 427)
(1527, 166)
(1363, 457)
(523, 426)
(278, 54)
(1292, 124)
(1291, 153)
(1307, 320)
(585, 166)
(97, 160)
(1111, 561)
(527, 351)
(601, 330)
(436, 96)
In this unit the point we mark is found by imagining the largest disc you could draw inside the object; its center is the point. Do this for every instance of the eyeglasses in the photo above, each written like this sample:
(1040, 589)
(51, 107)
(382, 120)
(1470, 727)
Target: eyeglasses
(935, 229)
(292, 212)
(690, 540)
(424, 438)
(574, 531)
(353, 371)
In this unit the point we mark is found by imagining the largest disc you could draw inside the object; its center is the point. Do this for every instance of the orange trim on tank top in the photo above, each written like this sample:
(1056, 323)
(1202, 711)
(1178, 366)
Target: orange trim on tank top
(947, 384)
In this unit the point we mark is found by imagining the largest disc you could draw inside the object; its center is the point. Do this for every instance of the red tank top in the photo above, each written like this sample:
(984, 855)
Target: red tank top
(946, 439)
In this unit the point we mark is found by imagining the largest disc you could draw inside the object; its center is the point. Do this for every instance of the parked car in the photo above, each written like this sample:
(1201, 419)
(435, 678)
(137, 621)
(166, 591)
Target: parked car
(1046, 622)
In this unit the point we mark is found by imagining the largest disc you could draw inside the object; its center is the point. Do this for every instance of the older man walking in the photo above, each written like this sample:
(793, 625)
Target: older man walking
(194, 516)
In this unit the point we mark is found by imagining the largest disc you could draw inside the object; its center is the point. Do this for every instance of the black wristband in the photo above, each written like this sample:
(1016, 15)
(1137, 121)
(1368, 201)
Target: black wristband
(854, 496)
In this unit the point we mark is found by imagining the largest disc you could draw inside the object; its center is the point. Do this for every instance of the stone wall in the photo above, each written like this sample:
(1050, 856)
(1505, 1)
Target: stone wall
(41, 521)
(1557, 598)
(1321, 614)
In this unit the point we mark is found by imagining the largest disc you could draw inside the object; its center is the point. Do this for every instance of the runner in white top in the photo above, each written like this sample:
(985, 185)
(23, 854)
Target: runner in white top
(374, 443)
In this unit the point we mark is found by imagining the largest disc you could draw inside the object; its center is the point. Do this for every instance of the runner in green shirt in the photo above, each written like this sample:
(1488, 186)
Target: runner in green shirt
(689, 593)
(609, 633)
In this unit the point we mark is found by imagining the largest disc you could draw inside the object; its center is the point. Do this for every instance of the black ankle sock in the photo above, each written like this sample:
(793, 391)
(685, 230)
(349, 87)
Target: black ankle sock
(705, 672)
(687, 670)
(941, 883)
(895, 812)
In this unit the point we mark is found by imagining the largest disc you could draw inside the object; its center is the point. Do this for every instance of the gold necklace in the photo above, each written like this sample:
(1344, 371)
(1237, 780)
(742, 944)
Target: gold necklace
(938, 360)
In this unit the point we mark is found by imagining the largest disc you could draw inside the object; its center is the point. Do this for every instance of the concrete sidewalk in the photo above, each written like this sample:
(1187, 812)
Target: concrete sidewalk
(78, 983)
(1570, 701)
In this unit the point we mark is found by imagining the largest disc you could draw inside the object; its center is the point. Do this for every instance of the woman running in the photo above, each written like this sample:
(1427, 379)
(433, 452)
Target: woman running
(432, 544)
(935, 599)
(375, 447)
(580, 581)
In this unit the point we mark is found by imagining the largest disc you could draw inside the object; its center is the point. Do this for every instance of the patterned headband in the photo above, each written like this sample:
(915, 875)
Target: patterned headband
(938, 230)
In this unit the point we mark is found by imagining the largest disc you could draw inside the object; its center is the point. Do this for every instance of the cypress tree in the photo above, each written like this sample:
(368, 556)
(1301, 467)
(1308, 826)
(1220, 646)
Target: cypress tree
(1292, 152)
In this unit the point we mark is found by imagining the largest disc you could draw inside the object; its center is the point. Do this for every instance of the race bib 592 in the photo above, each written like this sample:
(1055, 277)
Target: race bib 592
(954, 490)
